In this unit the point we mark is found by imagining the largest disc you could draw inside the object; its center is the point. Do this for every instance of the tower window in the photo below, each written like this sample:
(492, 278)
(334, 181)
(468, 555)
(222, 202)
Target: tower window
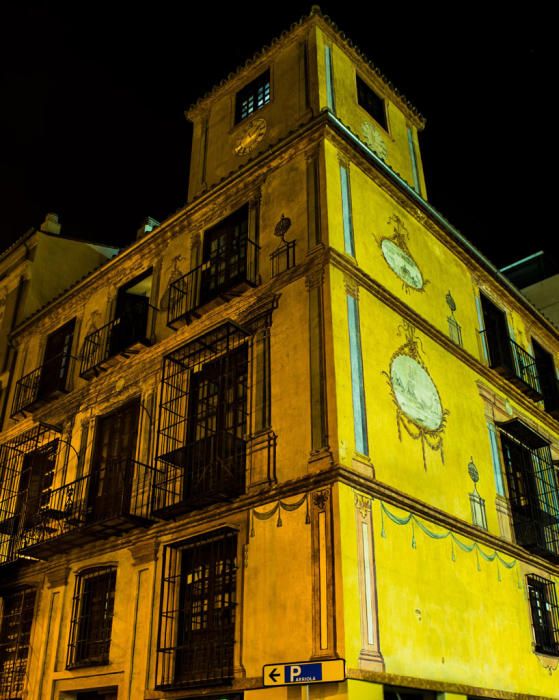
(371, 102)
(545, 614)
(92, 617)
(252, 97)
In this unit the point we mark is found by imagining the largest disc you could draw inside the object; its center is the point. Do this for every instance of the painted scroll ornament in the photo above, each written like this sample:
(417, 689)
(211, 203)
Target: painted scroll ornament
(398, 257)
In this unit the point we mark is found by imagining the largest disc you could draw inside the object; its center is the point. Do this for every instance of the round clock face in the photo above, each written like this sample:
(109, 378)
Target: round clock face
(250, 137)
(401, 263)
(416, 393)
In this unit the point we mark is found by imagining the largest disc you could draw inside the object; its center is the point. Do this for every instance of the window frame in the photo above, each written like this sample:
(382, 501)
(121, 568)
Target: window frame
(13, 679)
(363, 84)
(77, 657)
(176, 606)
(548, 626)
(250, 91)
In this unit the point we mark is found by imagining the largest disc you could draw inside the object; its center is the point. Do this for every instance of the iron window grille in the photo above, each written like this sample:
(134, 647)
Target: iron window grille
(533, 488)
(371, 103)
(253, 96)
(16, 619)
(92, 617)
(545, 614)
(27, 472)
(196, 639)
(203, 422)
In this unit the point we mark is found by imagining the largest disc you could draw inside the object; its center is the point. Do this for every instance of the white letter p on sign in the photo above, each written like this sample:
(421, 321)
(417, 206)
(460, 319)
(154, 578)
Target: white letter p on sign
(295, 671)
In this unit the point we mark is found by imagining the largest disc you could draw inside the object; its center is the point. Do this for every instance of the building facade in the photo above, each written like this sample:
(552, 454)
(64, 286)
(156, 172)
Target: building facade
(302, 420)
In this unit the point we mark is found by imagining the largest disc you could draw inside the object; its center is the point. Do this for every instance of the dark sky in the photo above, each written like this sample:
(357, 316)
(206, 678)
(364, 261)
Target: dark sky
(92, 97)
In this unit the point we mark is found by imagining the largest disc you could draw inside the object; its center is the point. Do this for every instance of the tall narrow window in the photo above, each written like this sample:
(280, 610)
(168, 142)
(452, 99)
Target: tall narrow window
(547, 374)
(50, 379)
(505, 355)
(112, 468)
(16, 620)
(252, 97)
(545, 614)
(92, 617)
(533, 488)
(204, 426)
(132, 326)
(371, 102)
(197, 622)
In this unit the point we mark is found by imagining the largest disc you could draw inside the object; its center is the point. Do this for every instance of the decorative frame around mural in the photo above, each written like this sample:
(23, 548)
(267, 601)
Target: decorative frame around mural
(405, 264)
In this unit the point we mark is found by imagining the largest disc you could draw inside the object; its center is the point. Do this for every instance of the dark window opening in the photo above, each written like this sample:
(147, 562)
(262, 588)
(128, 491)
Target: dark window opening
(547, 374)
(133, 325)
(545, 614)
(229, 265)
(225, 255)
(252, 97)
(92, 618)
(35, 483)
(533, 492)
(504, 355)
(50, 379)
(206, 426)
(110, 488)
(371, 102)
(392, 693)
(15, 633)
(197, 623)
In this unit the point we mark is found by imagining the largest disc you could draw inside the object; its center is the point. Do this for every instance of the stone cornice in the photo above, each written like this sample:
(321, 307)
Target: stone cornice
(170, 531)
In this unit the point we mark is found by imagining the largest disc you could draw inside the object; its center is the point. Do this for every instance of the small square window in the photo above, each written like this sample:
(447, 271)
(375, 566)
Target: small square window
(252, 97)
(371, 102)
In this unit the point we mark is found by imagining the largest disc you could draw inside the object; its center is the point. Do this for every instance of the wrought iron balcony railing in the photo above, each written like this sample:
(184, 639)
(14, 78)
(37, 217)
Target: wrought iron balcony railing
(219, 277)
(538, 531)
(42, 384)
(103, 503)
(121, 336)
(202, 472)
(513, 362)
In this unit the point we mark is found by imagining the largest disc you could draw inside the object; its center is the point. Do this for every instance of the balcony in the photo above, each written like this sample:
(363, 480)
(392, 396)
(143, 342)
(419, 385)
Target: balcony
(121, 337)
(514, 363)
(41, 385)
(203, 472)
(101, 504)
(221, 277)
(538, 531)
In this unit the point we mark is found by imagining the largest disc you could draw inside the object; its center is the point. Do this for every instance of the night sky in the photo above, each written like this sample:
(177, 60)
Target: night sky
(92, 99)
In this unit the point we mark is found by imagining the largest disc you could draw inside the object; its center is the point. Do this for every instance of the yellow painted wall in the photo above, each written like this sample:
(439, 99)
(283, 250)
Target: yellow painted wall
(347, 109)
(457, 620)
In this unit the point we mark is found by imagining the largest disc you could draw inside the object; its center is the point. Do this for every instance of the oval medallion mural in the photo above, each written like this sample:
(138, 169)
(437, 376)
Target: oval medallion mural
(416, 393)
(402, 264)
